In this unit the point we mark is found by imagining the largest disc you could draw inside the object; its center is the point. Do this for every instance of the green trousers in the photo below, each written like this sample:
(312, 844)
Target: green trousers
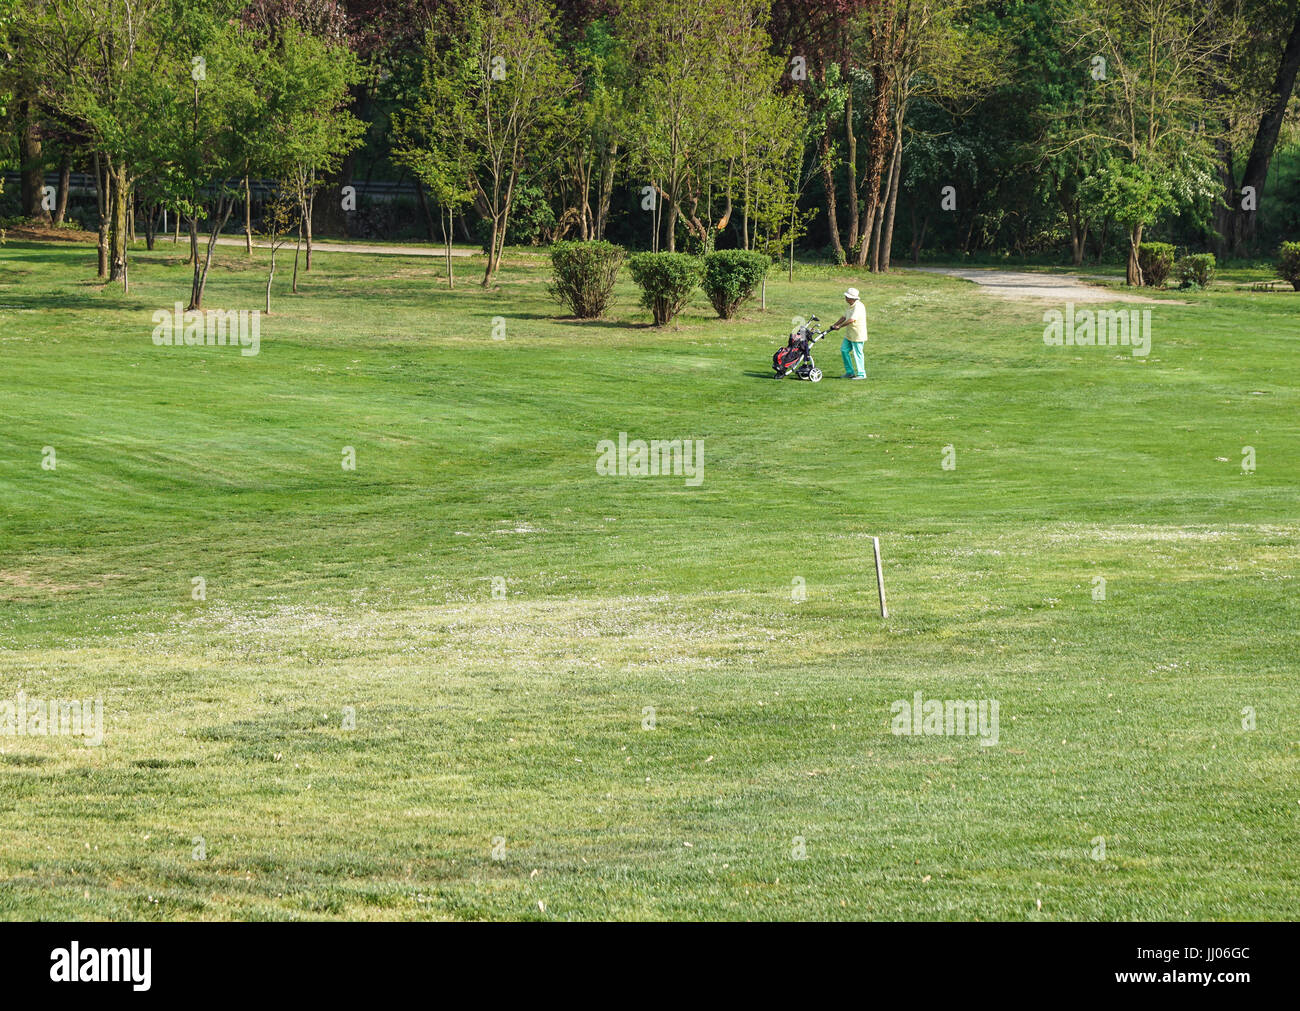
(851, 352)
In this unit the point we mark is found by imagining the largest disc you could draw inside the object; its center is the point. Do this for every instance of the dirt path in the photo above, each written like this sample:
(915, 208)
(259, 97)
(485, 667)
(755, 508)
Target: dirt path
(1018, 284)
(46, 234)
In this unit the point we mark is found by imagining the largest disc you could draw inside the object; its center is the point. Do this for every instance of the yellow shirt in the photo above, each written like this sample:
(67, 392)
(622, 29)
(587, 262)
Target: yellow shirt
(856, 323)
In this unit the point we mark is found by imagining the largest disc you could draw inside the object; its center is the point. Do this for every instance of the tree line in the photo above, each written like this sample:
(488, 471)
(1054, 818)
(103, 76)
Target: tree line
(854, 128)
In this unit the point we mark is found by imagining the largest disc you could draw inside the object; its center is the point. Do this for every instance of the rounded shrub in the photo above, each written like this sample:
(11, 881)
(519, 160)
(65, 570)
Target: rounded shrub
(1196, 270)
(1156, 260)
(730, 278)
(1288, 263)
(583, 276)
(666, 281)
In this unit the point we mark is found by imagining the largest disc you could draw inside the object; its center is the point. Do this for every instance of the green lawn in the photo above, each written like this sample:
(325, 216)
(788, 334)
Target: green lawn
(477, 719)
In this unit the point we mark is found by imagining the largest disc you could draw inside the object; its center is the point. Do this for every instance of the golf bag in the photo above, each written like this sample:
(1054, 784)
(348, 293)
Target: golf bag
(796, 357)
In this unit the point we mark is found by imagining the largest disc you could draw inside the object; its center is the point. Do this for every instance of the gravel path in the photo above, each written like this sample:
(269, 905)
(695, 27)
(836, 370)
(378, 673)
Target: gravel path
(1024, 284)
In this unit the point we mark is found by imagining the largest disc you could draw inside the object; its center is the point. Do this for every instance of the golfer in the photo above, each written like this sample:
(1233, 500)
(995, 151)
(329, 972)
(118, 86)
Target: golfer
(855, 318)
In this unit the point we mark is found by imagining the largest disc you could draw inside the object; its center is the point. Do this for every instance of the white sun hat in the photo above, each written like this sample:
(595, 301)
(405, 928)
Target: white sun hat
(852, 293)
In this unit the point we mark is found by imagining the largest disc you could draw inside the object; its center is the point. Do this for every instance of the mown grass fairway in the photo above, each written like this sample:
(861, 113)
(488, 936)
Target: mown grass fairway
(482, 719)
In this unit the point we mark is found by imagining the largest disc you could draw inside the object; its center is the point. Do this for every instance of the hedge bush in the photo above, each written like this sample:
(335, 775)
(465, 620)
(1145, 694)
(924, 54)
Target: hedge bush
(1195, 270)
(583, 275)
(1288, 263)
(730, 278)
(666, 281)
(1156, 260)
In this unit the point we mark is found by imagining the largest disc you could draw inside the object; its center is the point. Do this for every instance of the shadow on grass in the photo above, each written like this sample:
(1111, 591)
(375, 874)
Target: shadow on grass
(89, 300)
(594, 324)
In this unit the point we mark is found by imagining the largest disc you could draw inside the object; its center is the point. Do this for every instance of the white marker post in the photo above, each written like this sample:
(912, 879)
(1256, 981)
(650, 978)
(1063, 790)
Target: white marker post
(880, 578)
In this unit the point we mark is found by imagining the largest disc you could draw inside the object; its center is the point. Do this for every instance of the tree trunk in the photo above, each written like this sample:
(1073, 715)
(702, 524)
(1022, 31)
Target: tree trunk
(492, 245)
(606, 190)
(101, 198)
(828, 184)
(851, 163)
(1270, 123)
(895, 171)
(31, 164)
(271, 276)
(1133, 274)
(446, 246)
(194, 260)
(65, 182)
(793, 209)
(875, 161)
(119, 196)
(744, 217)
(656, 212)
(884, 31)
(1078, 243)
(970, 230)
(221, 214)
(878, 225)
(1225, 216)
(585, 225)
(311, 203)
(248, 222)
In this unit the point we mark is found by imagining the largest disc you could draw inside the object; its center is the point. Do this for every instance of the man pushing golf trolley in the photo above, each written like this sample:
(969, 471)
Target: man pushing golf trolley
(796, 357)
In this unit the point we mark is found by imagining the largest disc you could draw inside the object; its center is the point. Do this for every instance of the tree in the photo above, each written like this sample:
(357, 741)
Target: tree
(817, 34)
(307, 127)
(1156, 119)
(7, 10)
(757, 143)
(681, 82)
(603, 126)
(496, 84)
(914, 49)
(1262, 70)
(279, 219)
(205, 107)
(437, 159)
(303, 128)
(709, 107)
(94, 55)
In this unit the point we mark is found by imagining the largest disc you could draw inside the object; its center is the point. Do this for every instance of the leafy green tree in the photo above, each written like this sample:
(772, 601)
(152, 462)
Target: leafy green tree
(93, 57)
(932, 50)
(25, 81)
(7, 11)
(204, 107)
(306, 127)
(602, 126)
(424, 143)
(1257, 88)
(1162, 64)
(279, 218)
(497, 86)
(684, 77)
